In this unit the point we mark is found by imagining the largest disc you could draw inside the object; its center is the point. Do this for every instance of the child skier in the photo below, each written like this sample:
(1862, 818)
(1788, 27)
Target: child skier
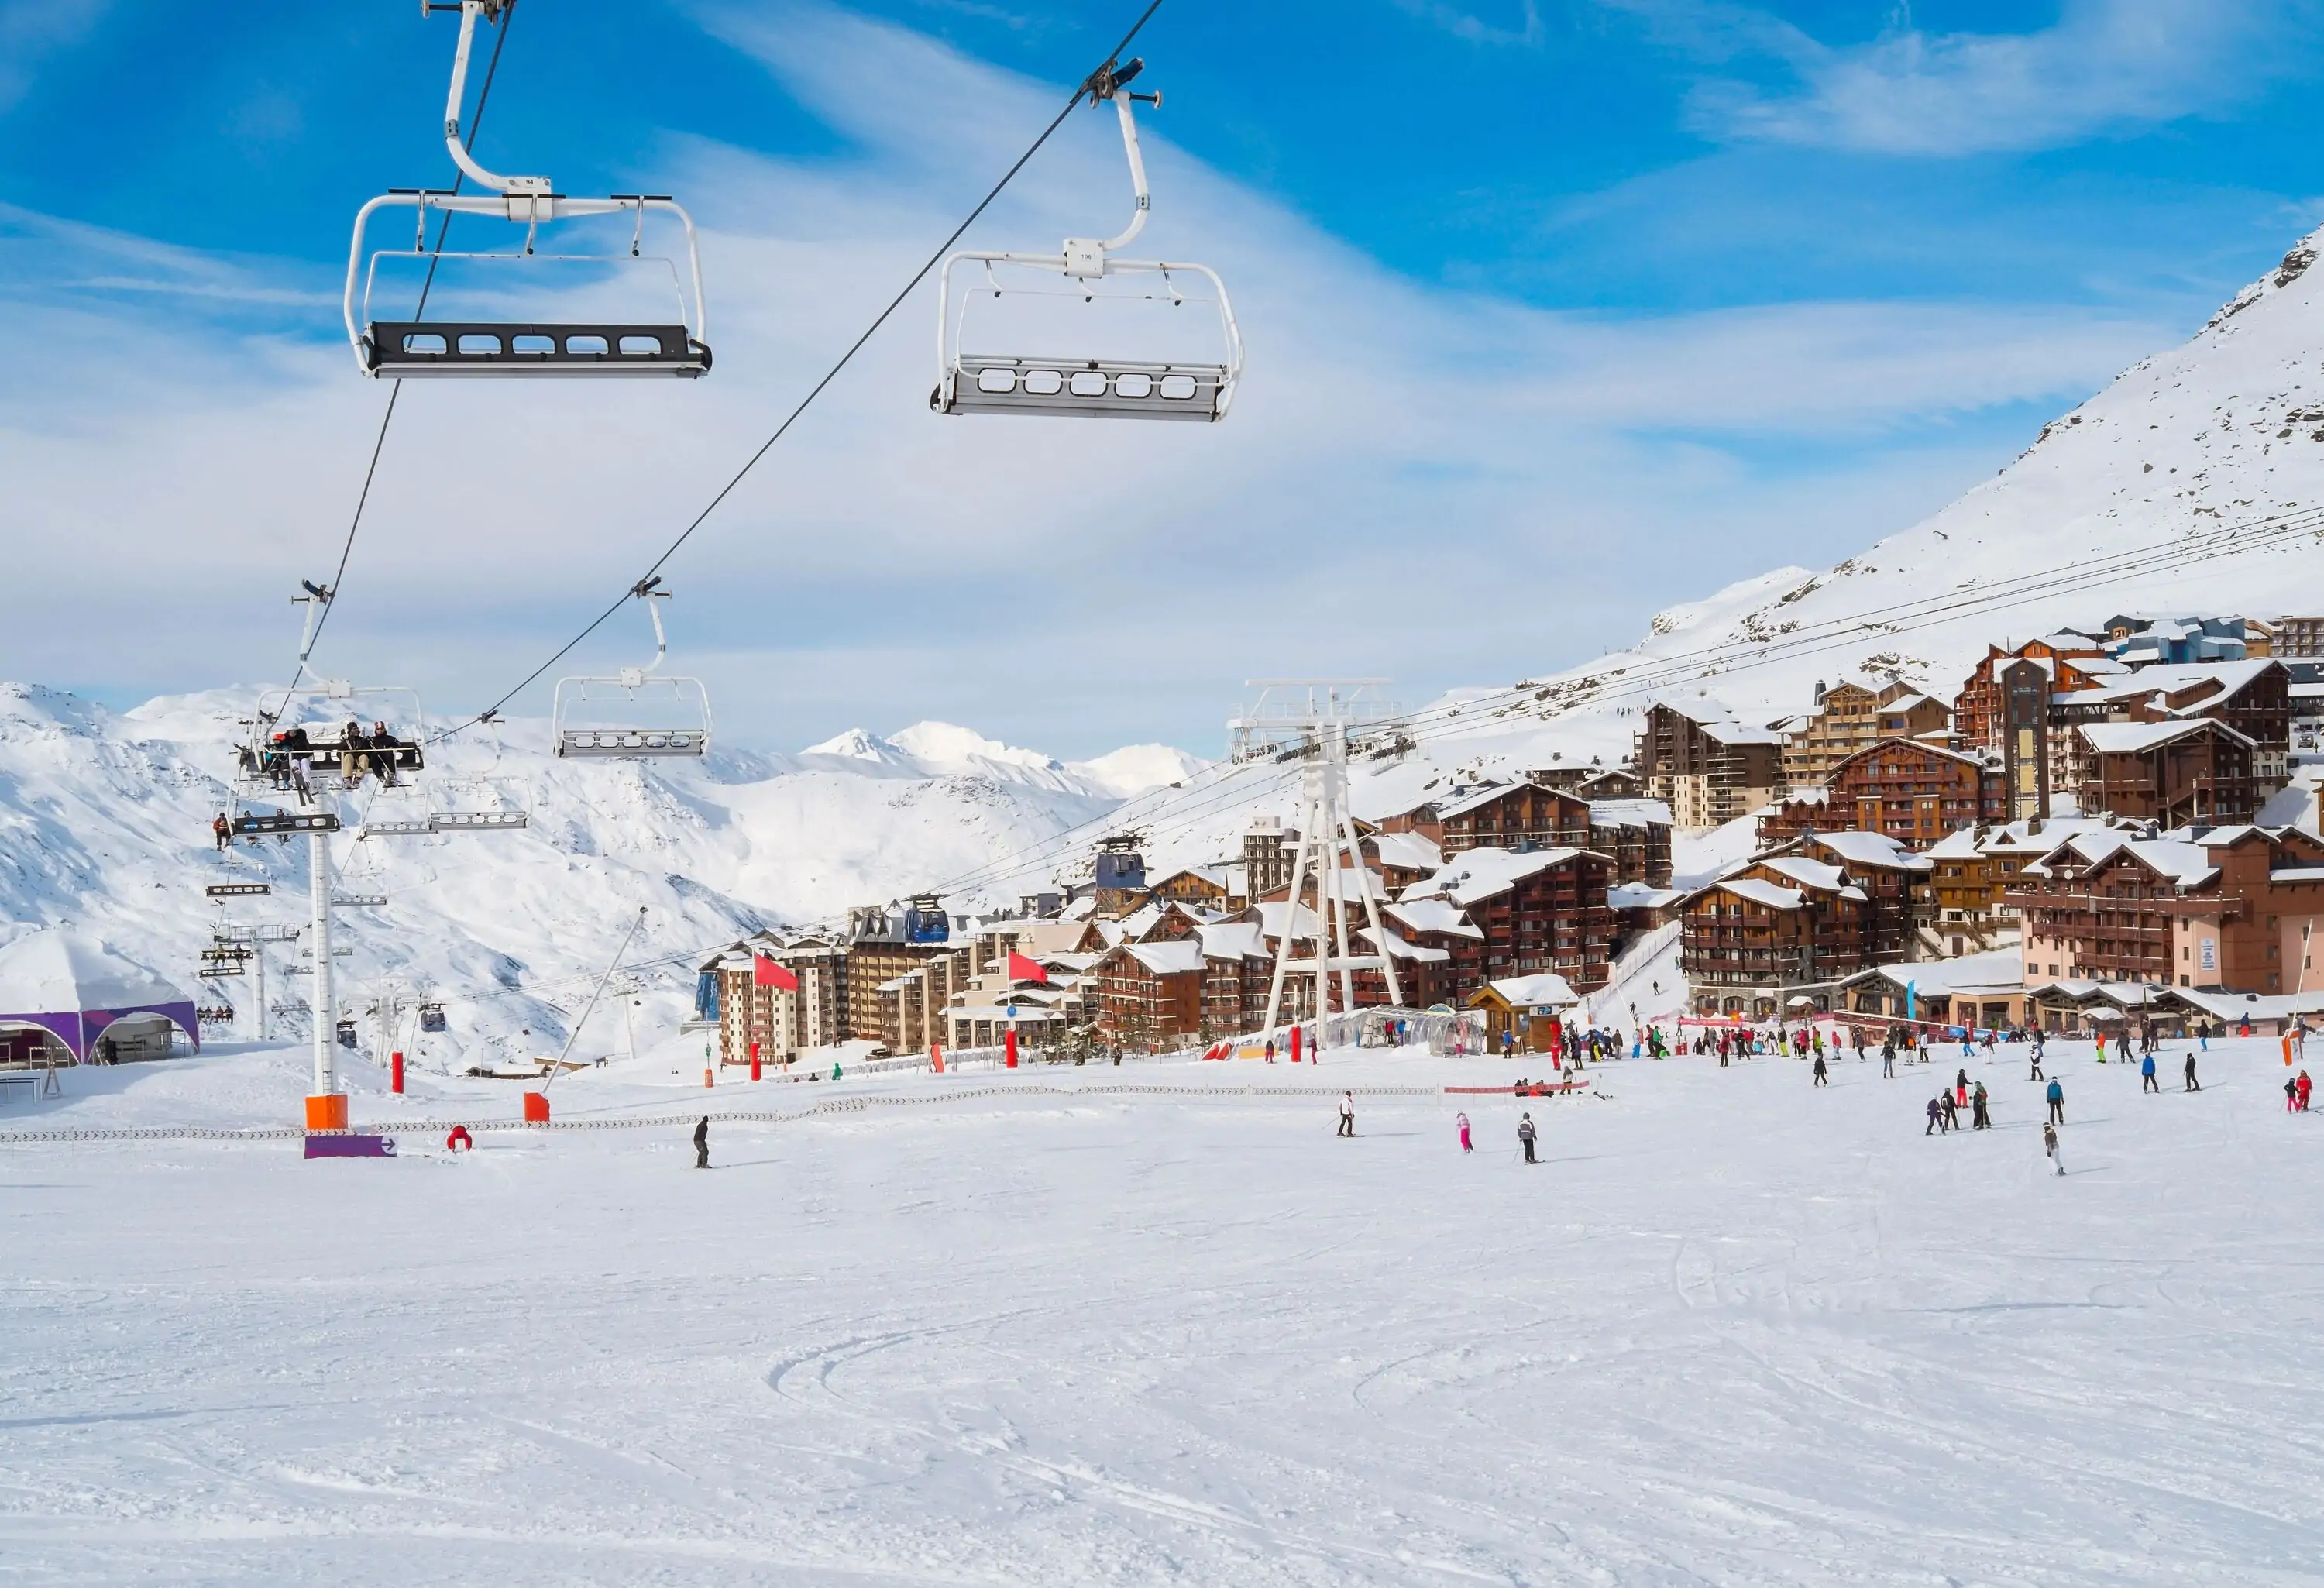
(1463, 1120)
(2050, 1146)
(1526, 1135)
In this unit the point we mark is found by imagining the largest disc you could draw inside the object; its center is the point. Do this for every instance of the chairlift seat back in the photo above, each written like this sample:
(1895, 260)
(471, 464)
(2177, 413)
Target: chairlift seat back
(1088, 388)
(409, 349)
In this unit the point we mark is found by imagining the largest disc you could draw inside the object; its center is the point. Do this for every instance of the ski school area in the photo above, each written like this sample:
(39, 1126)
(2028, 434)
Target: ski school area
(1163, 1321)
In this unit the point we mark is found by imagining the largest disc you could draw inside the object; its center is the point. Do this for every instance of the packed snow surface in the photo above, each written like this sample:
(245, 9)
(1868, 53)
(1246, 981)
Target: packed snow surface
(1732, 1330)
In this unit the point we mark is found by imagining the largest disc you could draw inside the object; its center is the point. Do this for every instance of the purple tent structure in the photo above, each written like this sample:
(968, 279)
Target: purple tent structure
(73, 989)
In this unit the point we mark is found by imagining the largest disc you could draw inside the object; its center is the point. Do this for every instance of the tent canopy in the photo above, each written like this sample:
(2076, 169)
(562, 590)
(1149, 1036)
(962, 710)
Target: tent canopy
(73, 988)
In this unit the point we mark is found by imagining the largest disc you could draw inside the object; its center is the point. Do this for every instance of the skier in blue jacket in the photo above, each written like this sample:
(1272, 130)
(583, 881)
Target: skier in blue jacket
(2146, 1082)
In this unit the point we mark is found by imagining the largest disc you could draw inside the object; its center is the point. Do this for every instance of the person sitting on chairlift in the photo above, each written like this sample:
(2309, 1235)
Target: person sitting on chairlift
(351, 745)
(383, 758)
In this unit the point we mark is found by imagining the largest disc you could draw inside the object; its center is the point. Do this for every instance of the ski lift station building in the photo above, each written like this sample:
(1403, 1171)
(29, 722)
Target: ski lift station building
(59, 988)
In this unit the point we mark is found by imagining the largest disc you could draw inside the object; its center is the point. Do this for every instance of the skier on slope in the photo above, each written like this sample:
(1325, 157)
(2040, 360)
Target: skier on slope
(702, 1143)
(2050, 1146)
(2291, 1097)
(2056, 1095)
(1936, 1117)
(2036, 1056)
(2193, 1084)
(1347, 1114)
(2146, 1081)
(1463, 1120)
(1526, 1135)
(2306, 1086)
(459, 1141)
(1821, 1079)
(1980, 1118)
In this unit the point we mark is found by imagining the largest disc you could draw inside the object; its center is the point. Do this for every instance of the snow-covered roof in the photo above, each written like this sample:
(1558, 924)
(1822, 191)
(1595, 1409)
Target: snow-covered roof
(1398, 948)
(1913, 703)
(1808, 873)
(1960, 843)
(1271, 918)
(2184, 863)
(1174, 957)
(1766, 893)
(1543, 989)
(1640, 896)
(1733, 732)
(1629, 813)
(1873, 849)
(1408, 851)
(1995, 970)
(1432, 915)
(2127, 738)
(1475, 874)
(1232, 940)
(1467, 798)
(59, 972)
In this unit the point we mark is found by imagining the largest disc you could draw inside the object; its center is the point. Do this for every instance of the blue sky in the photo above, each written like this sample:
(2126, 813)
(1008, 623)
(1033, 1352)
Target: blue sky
(1559, 313)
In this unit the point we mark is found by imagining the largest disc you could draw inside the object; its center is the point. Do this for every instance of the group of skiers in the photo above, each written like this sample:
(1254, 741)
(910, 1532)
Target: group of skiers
(289, 754)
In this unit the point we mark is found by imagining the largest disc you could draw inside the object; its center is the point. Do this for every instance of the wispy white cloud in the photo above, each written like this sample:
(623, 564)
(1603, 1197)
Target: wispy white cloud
(2104, 66)
(1395, 437)
(1521, 25)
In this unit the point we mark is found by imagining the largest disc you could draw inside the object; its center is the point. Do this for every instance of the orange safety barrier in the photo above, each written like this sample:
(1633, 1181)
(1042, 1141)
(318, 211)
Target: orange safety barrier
(536, 1108)
(327, 1113)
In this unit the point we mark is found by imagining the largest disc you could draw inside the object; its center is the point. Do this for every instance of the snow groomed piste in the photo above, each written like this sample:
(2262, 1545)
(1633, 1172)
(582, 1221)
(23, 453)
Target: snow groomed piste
(1731, 1329)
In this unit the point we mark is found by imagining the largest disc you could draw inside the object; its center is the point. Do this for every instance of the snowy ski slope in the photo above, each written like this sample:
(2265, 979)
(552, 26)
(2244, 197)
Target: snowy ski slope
(1732, 1330)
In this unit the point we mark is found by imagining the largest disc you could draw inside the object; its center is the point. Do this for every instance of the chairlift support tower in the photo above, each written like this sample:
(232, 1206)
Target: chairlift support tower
(1308, 720)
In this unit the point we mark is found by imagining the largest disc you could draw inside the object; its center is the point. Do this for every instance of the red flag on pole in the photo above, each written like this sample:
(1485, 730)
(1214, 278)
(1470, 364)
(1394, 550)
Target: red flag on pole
(1021, 969)
(766, 972)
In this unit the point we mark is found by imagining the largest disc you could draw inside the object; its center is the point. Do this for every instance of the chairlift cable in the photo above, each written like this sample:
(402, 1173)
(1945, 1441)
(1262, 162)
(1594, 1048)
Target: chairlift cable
(1073, 103)
(379, 442)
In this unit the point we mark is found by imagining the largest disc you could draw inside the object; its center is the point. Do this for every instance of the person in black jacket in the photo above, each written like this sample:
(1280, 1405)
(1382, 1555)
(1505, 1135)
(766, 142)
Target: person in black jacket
(702, 1143)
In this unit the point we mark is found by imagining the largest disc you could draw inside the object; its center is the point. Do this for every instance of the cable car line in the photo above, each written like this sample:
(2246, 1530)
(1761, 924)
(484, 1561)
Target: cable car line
(1090, 85)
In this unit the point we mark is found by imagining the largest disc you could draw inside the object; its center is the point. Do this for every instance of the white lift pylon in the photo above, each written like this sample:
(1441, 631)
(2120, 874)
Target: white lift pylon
(1308, 720)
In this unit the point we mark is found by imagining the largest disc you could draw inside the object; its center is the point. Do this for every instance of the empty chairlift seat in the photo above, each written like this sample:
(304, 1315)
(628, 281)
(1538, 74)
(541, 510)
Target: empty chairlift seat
(637, 712)
(405, 349)
(1098, 297)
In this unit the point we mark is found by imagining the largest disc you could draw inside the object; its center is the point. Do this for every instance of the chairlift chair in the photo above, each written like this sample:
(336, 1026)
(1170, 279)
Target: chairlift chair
(314, 720)
(604, 717)
(401, 349)
(974, 382)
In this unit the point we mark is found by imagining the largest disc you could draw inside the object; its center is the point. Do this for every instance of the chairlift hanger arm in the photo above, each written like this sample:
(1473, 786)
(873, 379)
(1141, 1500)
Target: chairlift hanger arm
(461, 157)
(1085, 256)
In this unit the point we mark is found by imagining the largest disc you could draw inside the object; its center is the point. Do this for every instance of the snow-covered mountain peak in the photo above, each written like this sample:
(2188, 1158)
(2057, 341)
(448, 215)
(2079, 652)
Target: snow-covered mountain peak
(947, 747)
(855, 744)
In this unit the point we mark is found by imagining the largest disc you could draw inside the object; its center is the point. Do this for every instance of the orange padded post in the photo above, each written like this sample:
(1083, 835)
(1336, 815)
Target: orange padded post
(329, 1112)
(536, 1108)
